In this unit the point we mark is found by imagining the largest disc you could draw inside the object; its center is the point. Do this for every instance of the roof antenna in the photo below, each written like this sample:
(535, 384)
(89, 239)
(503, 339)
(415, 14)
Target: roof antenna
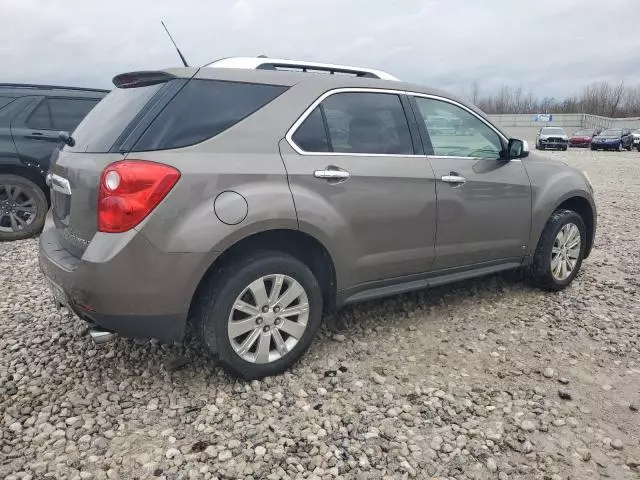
(174, 44)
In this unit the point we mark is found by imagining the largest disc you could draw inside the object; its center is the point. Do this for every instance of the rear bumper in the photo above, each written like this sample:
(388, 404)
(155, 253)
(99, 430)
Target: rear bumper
(135, 290)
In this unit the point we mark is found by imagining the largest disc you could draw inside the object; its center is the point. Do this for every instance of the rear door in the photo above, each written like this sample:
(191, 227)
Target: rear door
(484, 203)
(35, 131)
(359, 183)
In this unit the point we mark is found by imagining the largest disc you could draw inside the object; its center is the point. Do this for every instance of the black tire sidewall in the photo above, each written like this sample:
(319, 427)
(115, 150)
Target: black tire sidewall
(542, 260)
(41, 207)
(235, 278)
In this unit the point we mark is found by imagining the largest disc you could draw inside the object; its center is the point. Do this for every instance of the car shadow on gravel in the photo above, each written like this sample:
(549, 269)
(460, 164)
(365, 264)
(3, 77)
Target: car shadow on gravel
(189, 358)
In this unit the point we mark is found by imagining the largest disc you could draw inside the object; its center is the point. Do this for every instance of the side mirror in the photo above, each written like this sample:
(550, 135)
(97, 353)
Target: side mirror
(517, 149)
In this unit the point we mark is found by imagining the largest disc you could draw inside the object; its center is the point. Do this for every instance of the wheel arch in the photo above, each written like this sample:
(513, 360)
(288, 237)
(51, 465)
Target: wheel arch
(582, 207)
(578, 203)
(296, 243)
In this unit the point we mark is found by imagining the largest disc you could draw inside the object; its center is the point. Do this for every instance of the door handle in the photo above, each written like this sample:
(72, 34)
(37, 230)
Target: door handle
(331, 174)
(453, 178)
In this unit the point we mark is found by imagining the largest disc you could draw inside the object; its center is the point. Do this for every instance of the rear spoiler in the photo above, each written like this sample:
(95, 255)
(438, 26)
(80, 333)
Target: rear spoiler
(141, 79)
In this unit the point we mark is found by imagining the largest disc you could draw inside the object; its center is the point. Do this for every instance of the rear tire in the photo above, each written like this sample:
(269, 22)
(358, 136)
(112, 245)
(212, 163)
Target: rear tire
(234, 285)
(546, 269)
(23, 208)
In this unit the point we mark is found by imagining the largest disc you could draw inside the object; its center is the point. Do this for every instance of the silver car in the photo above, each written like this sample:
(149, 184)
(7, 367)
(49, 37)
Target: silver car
(552, 138)
(252, 200)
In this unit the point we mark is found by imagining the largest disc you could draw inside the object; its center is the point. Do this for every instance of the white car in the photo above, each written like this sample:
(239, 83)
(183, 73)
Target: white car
(552, 137)
(636, 138)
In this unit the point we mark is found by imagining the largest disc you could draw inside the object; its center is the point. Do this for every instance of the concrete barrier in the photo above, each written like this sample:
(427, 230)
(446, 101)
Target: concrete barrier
(565, 120)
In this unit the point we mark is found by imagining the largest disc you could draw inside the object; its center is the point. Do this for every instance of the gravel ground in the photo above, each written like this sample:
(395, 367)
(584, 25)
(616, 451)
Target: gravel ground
(485, 379)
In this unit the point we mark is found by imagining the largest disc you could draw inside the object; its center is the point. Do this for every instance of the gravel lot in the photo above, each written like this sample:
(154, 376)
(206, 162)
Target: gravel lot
(484, 379)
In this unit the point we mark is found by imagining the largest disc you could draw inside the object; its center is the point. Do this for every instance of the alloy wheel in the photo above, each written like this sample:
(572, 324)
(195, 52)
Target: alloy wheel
(565, 251)
(17, 208)
(268, 318)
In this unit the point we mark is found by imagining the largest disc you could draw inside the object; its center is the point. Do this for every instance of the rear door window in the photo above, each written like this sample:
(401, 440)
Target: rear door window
(204, 109)
(40, 118)
(5, 101)
(60, 113)
(367, 123)
(67, 113)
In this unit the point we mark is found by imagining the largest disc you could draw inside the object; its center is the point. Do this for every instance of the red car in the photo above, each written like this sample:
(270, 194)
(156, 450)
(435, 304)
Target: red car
(582, 138)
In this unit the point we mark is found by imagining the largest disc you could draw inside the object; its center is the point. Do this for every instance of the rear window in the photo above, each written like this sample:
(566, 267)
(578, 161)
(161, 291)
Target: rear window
(104, 124)
(203, 109)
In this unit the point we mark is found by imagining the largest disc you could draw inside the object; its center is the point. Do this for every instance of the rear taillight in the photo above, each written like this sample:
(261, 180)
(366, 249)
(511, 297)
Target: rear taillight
(130, 190)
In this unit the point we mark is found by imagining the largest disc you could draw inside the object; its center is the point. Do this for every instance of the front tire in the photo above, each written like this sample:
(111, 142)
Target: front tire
(560, 251)
(259, 315)
(23, 208)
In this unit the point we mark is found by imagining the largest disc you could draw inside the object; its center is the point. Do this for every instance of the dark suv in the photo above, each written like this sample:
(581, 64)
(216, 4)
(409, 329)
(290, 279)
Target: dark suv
(31, 118)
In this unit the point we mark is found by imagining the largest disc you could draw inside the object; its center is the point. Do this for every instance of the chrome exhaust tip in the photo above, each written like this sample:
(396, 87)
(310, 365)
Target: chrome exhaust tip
(100, 337)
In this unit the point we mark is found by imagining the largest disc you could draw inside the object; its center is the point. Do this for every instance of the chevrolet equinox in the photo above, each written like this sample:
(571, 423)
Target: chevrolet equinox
(252, 196)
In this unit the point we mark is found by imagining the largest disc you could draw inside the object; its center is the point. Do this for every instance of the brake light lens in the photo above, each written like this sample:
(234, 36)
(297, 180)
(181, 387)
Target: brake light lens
(130, 190)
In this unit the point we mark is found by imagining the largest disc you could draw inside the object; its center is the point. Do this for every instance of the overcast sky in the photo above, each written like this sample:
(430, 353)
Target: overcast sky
(552, 47)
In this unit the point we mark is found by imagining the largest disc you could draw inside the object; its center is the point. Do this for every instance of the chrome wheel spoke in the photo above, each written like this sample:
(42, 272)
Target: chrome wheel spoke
(295, 329)
(556, 250)
(244, 307)
(554, 263)
(297, 310)
(240, 327)
(276, 288)
(248, 342)
(259, 292)
(563, 269)
(280, 345)
(293, 292)
(264, 345)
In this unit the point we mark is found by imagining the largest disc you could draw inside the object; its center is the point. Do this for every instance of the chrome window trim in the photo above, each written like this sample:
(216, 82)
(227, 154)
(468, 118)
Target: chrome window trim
(327, 94)
(445, 157)
(318, 101)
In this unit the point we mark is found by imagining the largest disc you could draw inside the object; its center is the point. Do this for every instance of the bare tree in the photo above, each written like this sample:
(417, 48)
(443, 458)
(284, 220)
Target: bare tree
(475, 92)
(598, 98)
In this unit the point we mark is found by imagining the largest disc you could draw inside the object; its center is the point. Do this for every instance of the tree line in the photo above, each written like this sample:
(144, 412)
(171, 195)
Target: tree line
(602, 98)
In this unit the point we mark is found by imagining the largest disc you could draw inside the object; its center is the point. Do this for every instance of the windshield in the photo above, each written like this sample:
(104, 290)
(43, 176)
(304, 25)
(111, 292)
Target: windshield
(583, 133)
(611, 133)
(553, 131)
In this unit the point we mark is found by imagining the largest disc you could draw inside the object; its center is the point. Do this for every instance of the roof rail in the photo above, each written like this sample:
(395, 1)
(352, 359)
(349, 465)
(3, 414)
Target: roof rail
(50, 87)
(264, 63)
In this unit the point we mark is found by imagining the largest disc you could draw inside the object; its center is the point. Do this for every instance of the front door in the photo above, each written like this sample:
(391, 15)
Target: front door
(484, 203)
(359, 186)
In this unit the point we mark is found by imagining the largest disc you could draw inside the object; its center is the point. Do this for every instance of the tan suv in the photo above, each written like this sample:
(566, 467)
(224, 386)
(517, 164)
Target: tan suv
(253, 200)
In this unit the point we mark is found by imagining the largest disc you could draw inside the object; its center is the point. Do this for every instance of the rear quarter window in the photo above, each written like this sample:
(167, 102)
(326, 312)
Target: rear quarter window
(204, 109)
